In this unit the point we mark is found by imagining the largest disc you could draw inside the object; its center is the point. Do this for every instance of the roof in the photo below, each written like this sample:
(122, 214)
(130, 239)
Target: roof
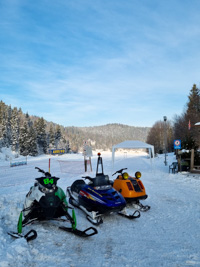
(132, 144)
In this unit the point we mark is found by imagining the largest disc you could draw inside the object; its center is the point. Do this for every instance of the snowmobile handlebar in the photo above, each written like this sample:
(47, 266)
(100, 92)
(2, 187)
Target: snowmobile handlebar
(120, 171)
(47, 174)
(88, 177)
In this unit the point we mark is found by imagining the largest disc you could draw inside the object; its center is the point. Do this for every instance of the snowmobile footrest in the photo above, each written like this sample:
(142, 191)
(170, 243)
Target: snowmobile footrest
(96, 222)
(135, 215)
(31, 235)
(86, 233)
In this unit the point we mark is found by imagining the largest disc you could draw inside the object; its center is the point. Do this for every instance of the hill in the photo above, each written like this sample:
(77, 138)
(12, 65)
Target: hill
(31, 135)
(105, 136)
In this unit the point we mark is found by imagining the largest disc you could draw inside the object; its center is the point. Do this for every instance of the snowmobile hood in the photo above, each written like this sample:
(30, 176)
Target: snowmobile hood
(110, 197)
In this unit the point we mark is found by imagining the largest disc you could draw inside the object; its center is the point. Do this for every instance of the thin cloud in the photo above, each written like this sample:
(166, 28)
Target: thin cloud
(101, 61)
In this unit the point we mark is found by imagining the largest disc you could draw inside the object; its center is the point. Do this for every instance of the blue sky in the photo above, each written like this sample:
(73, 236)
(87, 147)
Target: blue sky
(93, 62)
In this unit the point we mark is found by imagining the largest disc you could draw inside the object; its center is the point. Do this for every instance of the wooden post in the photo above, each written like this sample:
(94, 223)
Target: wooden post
(192, 160)
(49, 164)
(90, 164)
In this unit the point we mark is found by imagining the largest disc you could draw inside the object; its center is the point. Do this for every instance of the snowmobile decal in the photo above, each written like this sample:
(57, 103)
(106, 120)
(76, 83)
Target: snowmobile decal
(48, 181)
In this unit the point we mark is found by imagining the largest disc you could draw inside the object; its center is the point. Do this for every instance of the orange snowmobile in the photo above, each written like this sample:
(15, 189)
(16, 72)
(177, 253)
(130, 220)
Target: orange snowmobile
(131, 188)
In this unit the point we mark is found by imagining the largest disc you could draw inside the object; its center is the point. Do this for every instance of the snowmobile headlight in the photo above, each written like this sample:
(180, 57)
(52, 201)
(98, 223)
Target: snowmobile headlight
(125, 175)
(138, 175)
(45, 190)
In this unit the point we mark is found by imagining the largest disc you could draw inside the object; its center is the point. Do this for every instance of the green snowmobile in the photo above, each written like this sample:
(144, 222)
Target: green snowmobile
(46, 201)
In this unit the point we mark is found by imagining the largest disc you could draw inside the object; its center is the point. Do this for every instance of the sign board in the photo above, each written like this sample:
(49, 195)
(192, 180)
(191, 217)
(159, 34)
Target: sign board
(87, 151)
(177, 144)
(56, 151)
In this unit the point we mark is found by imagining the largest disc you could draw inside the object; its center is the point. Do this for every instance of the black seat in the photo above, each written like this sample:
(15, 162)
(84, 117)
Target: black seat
(100, 180)
(77, 185)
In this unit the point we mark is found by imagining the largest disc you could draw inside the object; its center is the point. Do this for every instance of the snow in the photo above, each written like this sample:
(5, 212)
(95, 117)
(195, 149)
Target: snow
(166, 235)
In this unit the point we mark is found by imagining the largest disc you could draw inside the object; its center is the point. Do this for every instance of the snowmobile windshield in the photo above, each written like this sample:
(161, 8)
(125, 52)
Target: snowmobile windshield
(47, 185)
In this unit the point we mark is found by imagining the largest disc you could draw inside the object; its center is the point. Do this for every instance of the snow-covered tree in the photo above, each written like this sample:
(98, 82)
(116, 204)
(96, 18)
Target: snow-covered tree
(41, 135)
(51, 137)
(15, 130)
(23, 140)
(32, 142)
(58, 136)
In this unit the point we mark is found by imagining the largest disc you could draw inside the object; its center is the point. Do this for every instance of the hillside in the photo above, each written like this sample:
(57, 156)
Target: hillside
(105, 136)
(31, 135)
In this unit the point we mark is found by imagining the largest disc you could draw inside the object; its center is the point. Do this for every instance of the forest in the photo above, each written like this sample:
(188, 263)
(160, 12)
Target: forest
(30, 135)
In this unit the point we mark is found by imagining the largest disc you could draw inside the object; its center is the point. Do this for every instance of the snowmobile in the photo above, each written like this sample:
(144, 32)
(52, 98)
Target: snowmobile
(44, 202)
(98, 197)
(131, 188)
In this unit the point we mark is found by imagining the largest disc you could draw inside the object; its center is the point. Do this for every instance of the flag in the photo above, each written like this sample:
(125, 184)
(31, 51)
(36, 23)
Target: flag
(189, 125)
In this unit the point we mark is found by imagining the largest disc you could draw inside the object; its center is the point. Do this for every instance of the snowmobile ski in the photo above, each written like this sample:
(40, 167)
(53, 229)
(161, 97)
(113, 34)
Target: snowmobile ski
(86, 233)
(31, 235)
(135, 215)
(138, 205)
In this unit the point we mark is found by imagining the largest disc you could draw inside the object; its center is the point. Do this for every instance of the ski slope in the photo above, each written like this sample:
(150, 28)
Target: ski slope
(166, 235)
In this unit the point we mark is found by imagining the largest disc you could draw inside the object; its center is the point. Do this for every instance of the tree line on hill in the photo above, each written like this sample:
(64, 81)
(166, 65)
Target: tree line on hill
(27, 135)
(31, 135)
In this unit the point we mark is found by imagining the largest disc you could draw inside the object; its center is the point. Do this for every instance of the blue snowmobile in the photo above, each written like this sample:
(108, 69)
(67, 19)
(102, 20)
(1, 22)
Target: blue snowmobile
(98, 197)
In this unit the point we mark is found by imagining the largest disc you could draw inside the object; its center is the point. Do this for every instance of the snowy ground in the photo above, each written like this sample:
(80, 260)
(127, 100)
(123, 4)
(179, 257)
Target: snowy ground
(167, 235)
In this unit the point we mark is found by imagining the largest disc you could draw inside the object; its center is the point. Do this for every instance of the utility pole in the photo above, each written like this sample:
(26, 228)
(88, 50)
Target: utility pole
(165, 138)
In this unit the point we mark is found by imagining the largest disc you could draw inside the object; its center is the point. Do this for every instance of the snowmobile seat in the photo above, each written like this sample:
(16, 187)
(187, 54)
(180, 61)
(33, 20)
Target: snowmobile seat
(101, 179)
(77, 185)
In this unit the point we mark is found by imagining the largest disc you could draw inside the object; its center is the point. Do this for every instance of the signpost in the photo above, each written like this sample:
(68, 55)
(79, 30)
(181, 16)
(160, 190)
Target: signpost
(177, 144)
(87, 153)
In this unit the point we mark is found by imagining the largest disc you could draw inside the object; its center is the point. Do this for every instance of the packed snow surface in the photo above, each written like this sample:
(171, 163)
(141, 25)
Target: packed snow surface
(166, 235)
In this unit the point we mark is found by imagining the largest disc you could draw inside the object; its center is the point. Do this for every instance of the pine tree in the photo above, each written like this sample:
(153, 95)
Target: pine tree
(193, 113)
(189, 136)
(15, 130)
(5, 125)
(51, 137)
(58, 136)
(41, 135)
(23, 140)
(32, 142)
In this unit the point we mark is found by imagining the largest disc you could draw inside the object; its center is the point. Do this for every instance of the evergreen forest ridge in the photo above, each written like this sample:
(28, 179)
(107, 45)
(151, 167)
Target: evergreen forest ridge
(31, 135)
